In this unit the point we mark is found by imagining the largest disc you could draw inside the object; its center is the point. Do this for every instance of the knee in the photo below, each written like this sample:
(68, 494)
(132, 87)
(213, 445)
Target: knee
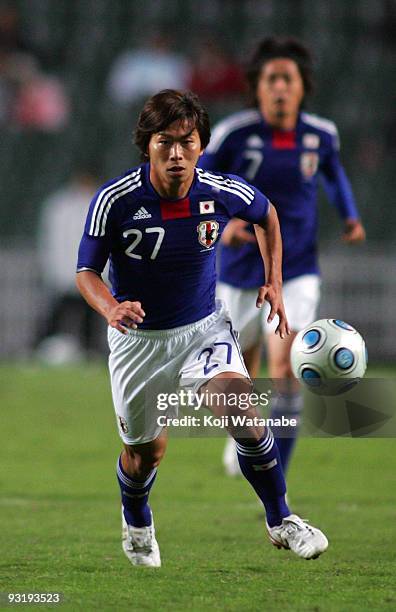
(140, 464)
(153, 460)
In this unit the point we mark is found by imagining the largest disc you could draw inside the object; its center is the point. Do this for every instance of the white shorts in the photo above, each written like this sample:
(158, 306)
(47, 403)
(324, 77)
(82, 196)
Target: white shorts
(144, 363)
(300, 296)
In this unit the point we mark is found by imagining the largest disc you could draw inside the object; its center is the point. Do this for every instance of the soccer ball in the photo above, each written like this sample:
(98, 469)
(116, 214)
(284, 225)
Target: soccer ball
(329, 357)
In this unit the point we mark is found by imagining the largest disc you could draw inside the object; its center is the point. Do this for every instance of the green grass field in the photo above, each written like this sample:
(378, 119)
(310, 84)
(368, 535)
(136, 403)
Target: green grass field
(60, 523)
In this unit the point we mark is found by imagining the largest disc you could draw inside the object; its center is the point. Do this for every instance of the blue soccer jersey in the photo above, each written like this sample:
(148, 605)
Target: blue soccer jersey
(163, 252)
(286, 166)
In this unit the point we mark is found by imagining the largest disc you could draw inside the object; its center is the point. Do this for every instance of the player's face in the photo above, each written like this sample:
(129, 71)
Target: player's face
(173, 154)
(280, 91)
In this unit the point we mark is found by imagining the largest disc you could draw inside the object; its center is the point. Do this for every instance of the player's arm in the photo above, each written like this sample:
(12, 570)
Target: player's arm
(354, 231)
(270, 243)
(120, 315)
(340, 194)
(236, 233)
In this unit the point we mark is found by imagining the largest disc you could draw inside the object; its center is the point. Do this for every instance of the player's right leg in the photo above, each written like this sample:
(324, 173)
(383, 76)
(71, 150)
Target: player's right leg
(134, 364)
(136, 472)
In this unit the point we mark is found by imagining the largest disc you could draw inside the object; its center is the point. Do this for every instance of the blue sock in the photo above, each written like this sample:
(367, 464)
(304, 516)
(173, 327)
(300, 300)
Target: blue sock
(290, 405)
(134, 496)
(260, 464)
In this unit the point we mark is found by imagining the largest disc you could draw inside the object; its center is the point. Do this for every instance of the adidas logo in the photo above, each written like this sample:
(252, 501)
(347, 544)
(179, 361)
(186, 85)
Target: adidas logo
(142, 213)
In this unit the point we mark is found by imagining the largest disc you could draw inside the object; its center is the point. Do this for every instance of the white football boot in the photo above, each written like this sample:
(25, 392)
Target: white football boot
(230, 458)
(139, 544)
(295, 534)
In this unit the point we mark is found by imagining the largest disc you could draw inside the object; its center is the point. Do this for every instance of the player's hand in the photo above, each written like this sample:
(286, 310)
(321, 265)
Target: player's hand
(354, 231)
(126, 315)
(273, 295)
(236, 234)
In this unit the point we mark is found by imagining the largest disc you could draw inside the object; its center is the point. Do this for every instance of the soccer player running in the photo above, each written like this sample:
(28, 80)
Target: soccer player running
(282, 151)
(159, 225)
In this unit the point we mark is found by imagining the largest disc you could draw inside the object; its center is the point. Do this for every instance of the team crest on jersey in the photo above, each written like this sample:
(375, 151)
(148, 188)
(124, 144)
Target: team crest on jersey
(208, 232)
(309, 163)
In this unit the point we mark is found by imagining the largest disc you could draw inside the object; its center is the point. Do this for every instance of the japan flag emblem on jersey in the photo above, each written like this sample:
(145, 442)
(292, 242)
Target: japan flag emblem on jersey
(207, 207)
(208, 232)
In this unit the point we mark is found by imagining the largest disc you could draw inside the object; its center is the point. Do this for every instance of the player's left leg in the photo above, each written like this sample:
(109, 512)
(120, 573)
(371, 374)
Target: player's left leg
(260, 463)
(257, 452)
(214, 367)
(136, 472)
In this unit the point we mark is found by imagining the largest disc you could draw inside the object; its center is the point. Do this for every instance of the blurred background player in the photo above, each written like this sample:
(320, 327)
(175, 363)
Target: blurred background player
(70, 329)
(140, 71)
(283, 151)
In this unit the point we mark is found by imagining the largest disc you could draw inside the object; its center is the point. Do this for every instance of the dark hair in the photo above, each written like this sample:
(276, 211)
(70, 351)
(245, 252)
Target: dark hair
(271, 48)
(164, 108)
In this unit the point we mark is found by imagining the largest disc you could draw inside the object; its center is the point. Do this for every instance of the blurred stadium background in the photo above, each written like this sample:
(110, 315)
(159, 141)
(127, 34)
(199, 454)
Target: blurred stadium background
(69, 98)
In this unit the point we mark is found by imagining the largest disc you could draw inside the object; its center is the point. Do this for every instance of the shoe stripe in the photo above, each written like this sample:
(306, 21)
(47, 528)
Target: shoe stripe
(277, 543)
